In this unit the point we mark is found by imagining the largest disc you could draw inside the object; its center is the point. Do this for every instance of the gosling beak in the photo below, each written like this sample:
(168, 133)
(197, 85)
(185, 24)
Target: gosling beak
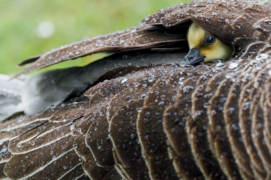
(192, 57)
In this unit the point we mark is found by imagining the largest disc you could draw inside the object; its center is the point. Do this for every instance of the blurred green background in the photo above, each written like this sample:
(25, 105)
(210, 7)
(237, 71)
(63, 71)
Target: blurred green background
(21, 24)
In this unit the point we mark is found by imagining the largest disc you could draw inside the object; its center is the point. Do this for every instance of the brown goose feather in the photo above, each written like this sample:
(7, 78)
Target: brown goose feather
(160, 121)
(138, 129)
(226, 20)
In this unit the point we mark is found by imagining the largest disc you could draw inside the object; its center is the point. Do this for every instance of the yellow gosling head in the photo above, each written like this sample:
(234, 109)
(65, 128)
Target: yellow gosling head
(204, 47)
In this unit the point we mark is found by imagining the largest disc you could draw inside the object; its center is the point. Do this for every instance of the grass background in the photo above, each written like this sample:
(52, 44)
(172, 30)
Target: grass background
(73, 20)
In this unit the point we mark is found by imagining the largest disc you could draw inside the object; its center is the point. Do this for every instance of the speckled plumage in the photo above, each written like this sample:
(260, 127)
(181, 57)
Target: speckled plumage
(159, 121)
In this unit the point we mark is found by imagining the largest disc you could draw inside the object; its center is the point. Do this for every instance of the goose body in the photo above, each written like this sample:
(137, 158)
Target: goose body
(152, 118)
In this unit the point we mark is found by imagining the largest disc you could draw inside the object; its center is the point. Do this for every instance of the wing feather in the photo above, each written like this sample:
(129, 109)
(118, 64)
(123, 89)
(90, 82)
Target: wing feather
(166, 121)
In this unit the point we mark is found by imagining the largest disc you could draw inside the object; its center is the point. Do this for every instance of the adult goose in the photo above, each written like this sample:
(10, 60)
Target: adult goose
(185, 95)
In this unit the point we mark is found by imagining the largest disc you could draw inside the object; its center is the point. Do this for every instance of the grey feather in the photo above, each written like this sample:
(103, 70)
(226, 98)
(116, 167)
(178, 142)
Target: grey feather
(10, 95)
(48, 89)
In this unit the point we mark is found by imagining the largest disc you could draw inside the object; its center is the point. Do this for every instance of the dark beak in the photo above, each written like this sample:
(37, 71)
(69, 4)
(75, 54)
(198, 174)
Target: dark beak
(192, 57)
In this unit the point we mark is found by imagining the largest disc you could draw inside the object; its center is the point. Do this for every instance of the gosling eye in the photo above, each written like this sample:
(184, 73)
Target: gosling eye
(210, 40)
